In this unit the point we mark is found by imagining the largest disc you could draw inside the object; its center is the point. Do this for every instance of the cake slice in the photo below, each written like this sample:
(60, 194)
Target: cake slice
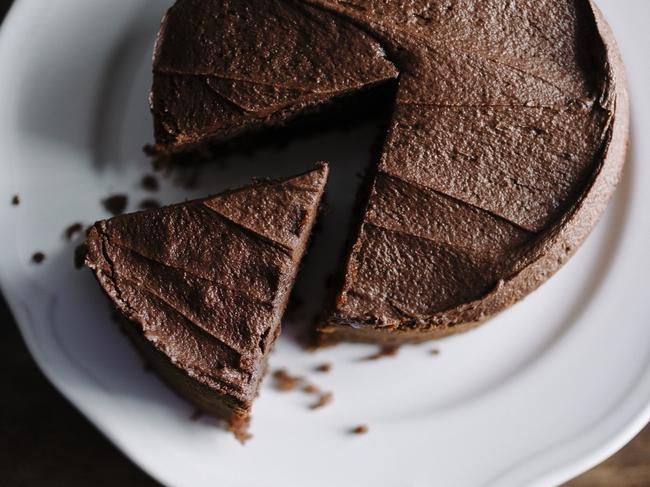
(201, 286)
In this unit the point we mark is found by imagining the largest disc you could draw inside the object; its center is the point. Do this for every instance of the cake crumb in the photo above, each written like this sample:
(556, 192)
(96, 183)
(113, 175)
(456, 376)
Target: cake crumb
(384, 351)
(73, 230)
(310, 389)
(324, 399)
(115, 204)
(80, 252)
(435, 351)
(325, 367)
(285, 382)
(15, 200)
(38, 257)
(149, 182)
(149, 204)
(361, 429)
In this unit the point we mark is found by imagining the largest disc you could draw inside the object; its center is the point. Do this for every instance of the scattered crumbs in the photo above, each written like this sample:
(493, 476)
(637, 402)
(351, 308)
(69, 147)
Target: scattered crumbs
(384, 351)
(80, 252)
(115, 204)
(435, 351)
(285, 382)
(149, 182)
(73, 230)
(15, 200)
(196, 414)
(361, 429)
(326, 367)
(310, 389)
(323, 400)
(149, 204)
(38, 257)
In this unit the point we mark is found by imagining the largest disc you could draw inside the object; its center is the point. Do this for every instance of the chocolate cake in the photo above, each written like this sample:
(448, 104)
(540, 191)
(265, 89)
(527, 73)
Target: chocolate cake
(201, 286)
(507, 136)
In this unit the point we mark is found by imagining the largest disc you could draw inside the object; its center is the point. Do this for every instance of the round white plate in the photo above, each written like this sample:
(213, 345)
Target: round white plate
(541, 393)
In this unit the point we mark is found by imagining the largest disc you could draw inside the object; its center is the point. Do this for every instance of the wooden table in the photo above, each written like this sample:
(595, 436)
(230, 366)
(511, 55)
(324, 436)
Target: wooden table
(44, 441)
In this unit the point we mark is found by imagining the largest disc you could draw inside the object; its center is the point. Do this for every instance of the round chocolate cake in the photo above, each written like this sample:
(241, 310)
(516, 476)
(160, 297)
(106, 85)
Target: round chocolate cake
(507, 135)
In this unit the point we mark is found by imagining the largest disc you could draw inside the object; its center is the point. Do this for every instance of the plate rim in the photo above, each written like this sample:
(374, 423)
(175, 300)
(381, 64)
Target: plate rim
(632, 422)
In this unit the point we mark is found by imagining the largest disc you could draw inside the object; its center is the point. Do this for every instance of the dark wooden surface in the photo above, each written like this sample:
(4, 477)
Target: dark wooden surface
(44, 441)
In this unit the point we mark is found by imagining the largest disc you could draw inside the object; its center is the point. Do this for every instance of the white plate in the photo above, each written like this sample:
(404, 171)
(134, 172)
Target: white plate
(541, 393)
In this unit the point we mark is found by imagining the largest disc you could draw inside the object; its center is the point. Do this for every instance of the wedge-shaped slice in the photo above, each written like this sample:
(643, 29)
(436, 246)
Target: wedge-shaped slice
(202, 286)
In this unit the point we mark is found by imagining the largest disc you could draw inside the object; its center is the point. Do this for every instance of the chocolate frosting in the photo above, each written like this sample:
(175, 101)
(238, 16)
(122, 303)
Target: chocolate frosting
(506, 139)
(205, 282)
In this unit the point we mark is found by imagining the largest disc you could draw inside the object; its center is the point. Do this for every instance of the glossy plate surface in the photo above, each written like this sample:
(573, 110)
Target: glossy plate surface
(541, 393)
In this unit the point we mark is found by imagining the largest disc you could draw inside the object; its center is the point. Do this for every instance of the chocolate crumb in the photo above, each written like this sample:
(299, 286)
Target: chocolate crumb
(115, 204)
(323, 400)
(362, 429)
(384, 351)
(310, 389)
(149, 204)
(326, 367)
(149, 182)
(15, 201)
(435, 351)
(73, 230)
(38, 257)
(285, 382)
